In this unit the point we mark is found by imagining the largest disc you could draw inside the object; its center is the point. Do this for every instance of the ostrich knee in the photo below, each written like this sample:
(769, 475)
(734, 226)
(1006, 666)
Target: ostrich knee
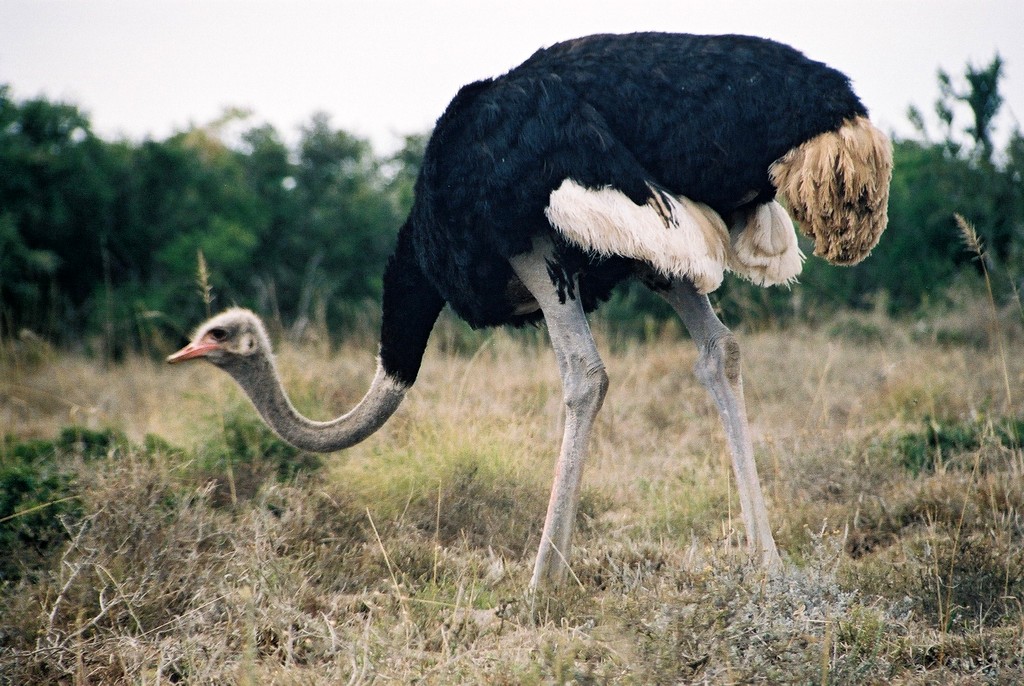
(585, 388)
(719, 361)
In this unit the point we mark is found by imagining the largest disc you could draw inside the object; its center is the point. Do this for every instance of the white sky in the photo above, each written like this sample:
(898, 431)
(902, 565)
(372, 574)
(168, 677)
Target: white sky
(382, 68)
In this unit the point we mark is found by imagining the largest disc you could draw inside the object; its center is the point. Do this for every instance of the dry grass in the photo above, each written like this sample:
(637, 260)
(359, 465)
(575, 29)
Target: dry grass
(405, 558)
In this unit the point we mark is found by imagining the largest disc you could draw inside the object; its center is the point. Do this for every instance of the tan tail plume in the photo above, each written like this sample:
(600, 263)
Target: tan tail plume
(836, 186)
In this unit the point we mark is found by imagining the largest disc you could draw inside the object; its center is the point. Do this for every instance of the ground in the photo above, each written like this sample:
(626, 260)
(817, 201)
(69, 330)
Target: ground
(193, 547)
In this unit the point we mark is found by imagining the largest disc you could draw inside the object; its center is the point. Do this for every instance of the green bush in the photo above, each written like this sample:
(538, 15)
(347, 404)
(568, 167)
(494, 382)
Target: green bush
(946, 441)
(38, 495)
(247, 456)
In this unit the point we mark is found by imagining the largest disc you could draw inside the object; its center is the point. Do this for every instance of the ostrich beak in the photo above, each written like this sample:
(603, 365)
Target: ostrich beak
(192, 351)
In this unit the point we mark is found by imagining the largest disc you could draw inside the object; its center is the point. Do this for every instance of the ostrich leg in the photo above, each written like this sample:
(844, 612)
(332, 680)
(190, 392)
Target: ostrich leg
(584, 383)
(718, 368)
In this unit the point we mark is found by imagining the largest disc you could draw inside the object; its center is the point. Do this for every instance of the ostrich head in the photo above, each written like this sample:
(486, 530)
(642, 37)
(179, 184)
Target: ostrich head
(229, 339)
(236, 342)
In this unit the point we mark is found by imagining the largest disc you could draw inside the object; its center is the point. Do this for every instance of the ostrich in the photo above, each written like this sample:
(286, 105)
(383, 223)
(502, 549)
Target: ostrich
(652, 156)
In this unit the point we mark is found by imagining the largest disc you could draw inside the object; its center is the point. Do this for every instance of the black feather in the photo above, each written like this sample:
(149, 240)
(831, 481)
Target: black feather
(700, 116)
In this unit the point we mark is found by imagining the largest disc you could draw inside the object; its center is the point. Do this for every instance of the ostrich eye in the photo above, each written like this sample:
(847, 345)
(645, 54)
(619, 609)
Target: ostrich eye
(218, 334)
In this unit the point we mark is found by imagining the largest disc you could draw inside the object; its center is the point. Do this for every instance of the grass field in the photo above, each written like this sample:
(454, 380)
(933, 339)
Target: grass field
(170, 539)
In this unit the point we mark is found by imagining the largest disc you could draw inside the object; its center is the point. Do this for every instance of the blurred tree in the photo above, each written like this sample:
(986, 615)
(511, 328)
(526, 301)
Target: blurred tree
(403, 167)
(921, 253)
(56, 204)
(983, 99)
(346, 223)
(181, 195)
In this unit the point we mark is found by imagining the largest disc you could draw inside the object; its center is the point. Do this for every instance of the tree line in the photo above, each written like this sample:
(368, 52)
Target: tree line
(124, 244)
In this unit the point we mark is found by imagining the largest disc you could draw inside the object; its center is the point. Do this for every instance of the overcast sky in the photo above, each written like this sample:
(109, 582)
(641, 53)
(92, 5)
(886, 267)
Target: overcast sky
(383, 68)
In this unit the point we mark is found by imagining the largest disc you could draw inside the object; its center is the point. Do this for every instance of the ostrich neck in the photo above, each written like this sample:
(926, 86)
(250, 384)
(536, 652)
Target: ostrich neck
(410, 307)
(259, 379)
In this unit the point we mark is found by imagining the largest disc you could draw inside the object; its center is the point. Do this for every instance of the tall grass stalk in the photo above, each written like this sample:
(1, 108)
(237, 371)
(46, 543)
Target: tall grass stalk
(203, 282)
(108, 304)
(205, 288)
(387, 561)
(36, 508)
(976, 246)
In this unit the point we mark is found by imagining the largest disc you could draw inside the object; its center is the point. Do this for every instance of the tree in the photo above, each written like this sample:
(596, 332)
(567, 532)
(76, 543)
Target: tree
(344, 229)
(921, 253)
(56, 203)
(402, 168)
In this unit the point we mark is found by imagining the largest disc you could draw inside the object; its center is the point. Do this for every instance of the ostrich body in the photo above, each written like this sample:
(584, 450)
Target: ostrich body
(651, 156)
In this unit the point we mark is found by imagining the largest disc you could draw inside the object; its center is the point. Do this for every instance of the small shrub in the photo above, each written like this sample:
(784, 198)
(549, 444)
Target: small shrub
(949, 583)
(39, 492)
(249, 456)
(728, 623)
(978, 580)
(942, 440)
(34, 496)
